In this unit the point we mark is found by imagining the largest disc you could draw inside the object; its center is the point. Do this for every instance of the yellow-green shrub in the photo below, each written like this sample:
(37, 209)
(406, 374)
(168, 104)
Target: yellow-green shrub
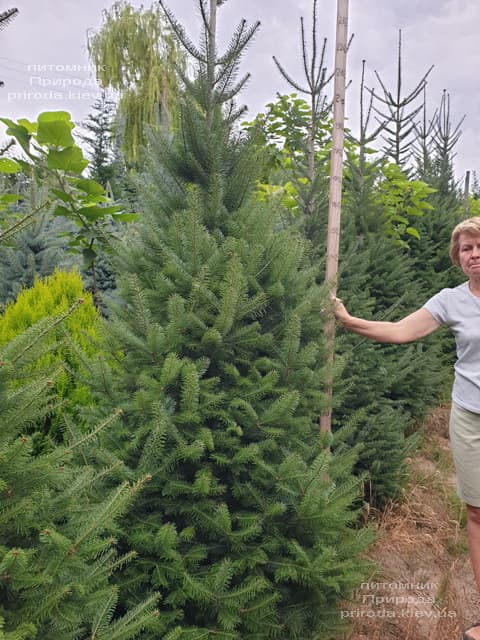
(52, 297)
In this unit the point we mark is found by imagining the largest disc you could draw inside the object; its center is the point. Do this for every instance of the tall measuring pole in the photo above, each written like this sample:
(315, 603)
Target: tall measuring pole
(465, 196)
(335, 201)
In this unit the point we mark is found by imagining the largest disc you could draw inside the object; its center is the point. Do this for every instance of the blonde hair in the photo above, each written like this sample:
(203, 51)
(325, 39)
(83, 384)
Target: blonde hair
(470, 226)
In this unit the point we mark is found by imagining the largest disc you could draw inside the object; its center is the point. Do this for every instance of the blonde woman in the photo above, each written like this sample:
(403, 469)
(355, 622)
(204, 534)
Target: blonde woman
(459, 309)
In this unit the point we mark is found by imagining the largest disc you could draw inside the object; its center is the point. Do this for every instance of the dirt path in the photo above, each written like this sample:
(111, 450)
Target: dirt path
(424, 587)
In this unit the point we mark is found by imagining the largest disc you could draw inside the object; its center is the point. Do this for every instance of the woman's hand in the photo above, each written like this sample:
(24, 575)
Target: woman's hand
(417, 325)
(339, 311)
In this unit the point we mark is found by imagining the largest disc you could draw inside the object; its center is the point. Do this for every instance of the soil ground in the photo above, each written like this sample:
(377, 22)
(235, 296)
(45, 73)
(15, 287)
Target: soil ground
(423, 588)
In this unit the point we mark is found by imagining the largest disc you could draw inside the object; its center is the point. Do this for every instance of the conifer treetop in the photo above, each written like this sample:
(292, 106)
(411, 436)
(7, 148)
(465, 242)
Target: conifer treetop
(400, 123)
(220, 72)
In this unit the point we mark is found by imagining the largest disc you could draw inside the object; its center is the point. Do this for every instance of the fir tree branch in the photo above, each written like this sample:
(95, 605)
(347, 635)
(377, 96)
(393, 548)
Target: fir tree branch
(48, 329)
(91, 434)
(7, 16)
(239, 42)
(134, 621)
(109, 510)
(181, 34)
(288, 78)
(42, 391)
(105, 613)
(20, 225)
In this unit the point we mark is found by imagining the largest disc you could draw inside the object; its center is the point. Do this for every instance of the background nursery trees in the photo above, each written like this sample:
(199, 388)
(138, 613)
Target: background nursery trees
(68, 343)
(393, 255)
(136, 54)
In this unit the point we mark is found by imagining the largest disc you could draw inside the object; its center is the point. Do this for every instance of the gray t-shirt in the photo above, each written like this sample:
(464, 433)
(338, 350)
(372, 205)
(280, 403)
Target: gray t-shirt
(459, 309)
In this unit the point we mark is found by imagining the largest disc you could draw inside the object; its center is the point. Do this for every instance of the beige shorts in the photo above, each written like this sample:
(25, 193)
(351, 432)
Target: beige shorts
(465, 443)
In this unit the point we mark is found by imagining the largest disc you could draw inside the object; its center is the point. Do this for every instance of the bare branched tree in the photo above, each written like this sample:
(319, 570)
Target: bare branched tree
(400, 127)
(422, 145)
(445, 133)
(317, 78)
(435, 142)
(365, 139)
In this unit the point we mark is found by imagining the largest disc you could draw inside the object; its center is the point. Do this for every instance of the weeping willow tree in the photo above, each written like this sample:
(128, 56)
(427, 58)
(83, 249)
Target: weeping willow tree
(136, 54)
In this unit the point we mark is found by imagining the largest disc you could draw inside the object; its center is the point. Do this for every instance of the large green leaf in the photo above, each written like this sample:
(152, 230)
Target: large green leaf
(69, 159)
(7, 165)
(55, 128)
(126, 217)
(91, 187)
(413, 232)
(96, 212)
(18, 132)
(31, 127)
(8, 198)
(60, 210)
(62, 195)
(51, 116)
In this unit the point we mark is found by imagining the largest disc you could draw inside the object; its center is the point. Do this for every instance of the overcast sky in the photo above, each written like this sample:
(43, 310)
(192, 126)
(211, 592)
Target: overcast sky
(444, 33)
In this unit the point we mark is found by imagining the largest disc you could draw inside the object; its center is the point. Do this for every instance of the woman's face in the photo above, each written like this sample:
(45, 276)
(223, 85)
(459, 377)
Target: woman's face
(469, 254)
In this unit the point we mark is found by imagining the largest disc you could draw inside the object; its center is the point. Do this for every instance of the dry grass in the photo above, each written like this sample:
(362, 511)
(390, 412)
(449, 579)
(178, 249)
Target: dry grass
(424, 588)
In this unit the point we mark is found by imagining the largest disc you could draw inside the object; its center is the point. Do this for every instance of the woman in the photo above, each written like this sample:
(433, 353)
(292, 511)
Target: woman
(459, 309)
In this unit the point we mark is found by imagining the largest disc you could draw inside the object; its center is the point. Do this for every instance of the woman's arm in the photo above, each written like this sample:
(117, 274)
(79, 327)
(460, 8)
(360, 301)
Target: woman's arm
(414, 326)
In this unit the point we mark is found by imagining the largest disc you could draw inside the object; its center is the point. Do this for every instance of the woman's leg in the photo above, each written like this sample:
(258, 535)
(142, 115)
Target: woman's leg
(473, 534)
(465, 442)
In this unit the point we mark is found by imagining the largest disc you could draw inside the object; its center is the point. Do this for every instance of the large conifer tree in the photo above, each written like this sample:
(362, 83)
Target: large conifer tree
(246, 526)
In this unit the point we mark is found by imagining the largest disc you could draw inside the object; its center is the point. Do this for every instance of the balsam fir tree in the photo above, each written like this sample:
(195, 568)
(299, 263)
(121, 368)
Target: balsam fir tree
(246, 526)
(401, 111)
(383, 387)
(435, 153)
